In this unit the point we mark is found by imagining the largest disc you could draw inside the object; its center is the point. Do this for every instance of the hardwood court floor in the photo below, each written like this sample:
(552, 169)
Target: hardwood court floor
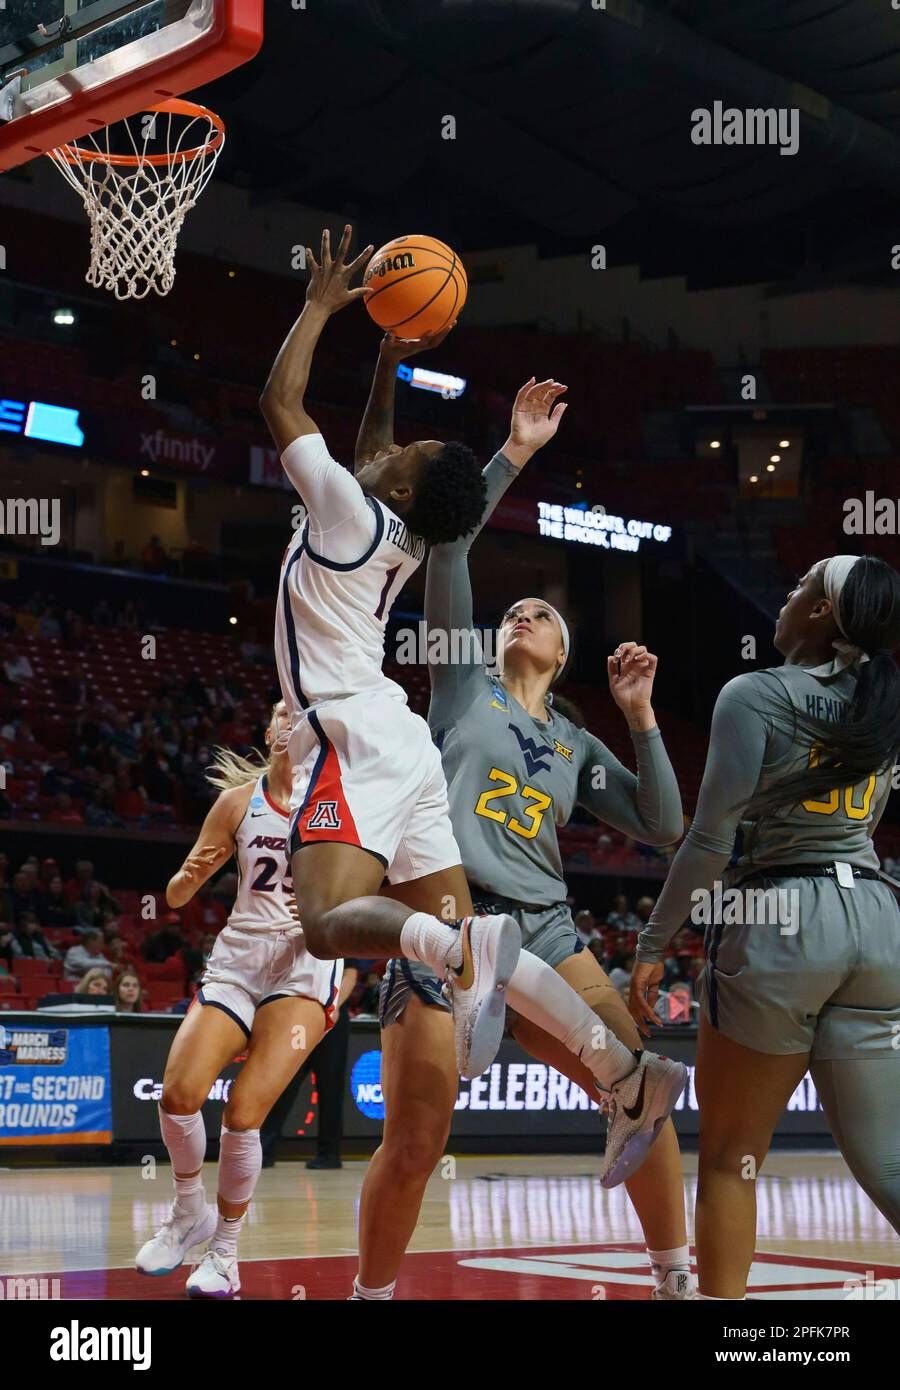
(507, 1227)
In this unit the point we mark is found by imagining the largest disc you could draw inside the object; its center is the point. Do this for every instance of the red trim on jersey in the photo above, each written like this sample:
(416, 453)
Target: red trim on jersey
(274, 804)
(329, 787)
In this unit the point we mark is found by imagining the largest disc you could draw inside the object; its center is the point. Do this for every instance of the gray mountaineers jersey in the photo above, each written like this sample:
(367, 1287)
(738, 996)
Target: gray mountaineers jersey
(512, 778)
(754, 743)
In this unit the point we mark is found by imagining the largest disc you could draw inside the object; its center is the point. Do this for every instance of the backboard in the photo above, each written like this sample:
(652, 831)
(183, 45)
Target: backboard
(70, 67)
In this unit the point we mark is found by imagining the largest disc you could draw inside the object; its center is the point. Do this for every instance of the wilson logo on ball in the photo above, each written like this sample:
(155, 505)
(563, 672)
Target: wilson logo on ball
(416, 285)
(402, 262)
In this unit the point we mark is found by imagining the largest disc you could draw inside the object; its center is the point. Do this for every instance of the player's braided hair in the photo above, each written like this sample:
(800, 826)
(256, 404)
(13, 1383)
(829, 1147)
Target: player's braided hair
(868, 740)
(449, 497)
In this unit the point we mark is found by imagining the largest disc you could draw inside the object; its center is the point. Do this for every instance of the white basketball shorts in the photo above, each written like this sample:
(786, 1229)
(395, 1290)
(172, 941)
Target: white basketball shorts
(249, 967)
(366, 773)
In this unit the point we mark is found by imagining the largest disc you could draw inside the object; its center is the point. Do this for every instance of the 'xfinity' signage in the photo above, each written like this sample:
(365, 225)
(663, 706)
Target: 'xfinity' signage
(57, 424)
(597, 527)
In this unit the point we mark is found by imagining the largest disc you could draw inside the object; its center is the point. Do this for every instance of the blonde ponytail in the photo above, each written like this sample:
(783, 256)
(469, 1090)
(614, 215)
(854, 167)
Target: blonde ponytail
(228, 770)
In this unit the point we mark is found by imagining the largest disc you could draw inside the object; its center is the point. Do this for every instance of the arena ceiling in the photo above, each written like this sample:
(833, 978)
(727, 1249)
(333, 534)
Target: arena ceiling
(573, 125)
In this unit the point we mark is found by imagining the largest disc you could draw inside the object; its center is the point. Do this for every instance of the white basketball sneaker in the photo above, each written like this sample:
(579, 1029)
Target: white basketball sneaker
(165, 1251)
(216, 1276)
(679, 1285)
(490, 953)
(639, 1106)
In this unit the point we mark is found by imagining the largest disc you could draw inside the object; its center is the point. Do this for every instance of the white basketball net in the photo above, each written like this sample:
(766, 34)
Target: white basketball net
(136, 209)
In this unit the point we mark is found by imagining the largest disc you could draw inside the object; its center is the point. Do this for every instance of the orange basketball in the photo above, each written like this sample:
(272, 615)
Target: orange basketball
(418, 286)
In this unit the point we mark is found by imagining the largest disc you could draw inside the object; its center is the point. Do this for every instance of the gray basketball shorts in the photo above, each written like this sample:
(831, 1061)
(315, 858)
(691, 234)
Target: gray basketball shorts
(547, 932)
(823, 980)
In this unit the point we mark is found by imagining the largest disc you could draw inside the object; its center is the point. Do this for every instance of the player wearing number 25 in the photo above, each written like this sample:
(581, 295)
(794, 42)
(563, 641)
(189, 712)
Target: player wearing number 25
(262, 988)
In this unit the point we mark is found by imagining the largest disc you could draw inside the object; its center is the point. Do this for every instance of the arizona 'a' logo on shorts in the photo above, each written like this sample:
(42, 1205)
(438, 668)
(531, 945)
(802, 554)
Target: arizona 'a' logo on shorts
(324, 817)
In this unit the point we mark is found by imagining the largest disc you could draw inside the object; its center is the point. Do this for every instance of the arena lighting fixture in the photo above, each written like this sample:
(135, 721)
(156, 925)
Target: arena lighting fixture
(784, 443)
(233, 621)
(145, 472)
(715, 443)
(64, 318)
(770, 468)
(754, 478)
(450, 387)
(774, 458)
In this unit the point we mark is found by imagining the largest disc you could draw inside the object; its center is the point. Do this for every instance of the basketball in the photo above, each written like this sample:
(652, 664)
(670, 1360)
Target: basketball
(418, 285)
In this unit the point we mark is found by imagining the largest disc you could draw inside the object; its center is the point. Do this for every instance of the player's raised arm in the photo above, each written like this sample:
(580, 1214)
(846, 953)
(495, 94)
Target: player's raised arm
(213, 847)
(376, 433)
(282, 400)
(536, 414)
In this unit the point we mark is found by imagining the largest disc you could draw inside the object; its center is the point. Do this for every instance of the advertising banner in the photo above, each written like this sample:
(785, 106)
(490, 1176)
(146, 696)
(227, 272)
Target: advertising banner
(54, 1084)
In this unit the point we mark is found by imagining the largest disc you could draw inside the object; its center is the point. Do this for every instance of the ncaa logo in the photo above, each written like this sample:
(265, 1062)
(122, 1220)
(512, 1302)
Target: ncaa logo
(365, 1085)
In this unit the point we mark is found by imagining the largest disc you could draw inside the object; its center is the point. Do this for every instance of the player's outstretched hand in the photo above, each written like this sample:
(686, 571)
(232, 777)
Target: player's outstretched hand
(643, 994)
(201, 861)
(630, 670)
(536, 414)
(398, 349)
(329, 280)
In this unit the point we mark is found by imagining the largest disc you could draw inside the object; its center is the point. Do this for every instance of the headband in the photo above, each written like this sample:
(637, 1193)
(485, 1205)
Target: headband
(564, 631)
(834, 578)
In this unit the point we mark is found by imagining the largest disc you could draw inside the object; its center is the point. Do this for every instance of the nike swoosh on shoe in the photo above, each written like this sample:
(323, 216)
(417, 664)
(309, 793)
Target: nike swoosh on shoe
(465, 974)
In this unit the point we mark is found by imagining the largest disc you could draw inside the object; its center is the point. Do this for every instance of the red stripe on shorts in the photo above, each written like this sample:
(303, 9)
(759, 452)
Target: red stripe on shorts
(327, 808)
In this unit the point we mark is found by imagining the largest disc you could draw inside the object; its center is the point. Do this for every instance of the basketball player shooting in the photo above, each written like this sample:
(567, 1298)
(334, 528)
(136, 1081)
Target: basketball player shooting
(369, 796)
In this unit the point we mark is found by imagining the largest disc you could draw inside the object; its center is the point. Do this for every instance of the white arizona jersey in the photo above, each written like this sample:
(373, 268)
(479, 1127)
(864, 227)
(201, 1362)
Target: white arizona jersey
(339, 577)
(265, 891)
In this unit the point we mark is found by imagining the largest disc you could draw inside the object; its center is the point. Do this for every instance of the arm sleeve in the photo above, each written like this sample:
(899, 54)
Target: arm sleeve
(647, 806)
(341, 523)
(448, 601)
(737, 748)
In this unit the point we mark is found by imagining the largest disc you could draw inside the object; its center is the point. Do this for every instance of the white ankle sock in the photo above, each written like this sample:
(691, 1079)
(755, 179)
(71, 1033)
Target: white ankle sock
(434, 943)
(373, 1295)
(185, 1139)
(225, 1236)
(662, 1261)
(538, 993)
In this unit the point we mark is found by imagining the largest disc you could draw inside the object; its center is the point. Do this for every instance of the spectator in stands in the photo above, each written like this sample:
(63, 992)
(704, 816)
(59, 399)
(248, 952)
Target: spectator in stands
(29, 941)
(204, 914)
(129, 803)
(19, 669)
(6, 948)
(153, 557)
(122, 739)
(643, 907)
(96, 981)
(100, 811)
(182, 1006)
(65, 812)
(49, 626)
(53, 909)
(165, 942)
(620, 972)
(118, 951)
(128, 993)
(101, 614)
(95, 910)
(586, 925)
(621, 917)
(25, 896)
(86, 954)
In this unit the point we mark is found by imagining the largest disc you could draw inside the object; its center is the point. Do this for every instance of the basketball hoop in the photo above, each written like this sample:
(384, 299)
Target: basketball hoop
(137, 201)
